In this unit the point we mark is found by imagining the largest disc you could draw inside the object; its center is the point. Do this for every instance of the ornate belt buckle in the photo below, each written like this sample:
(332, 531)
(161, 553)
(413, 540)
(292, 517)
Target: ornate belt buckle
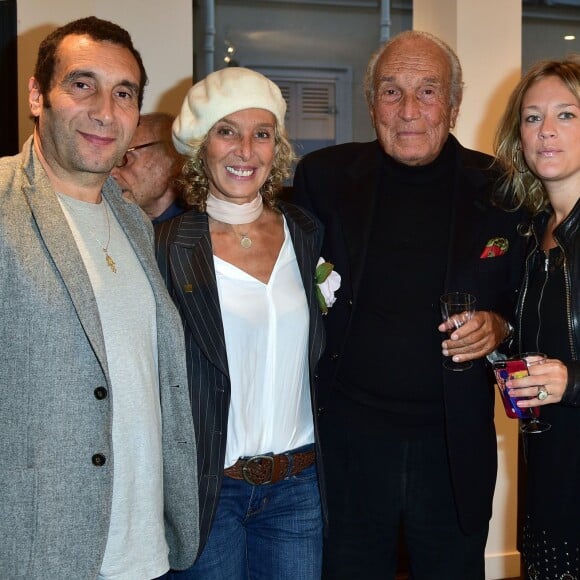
(257, 459)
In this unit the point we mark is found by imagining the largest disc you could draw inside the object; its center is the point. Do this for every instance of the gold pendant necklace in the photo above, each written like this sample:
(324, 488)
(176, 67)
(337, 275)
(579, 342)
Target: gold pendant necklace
(105, 247)
(245, 241)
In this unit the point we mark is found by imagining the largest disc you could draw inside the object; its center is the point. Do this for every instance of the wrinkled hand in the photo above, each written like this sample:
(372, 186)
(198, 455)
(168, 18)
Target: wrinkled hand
(551, 374)
(476, 338)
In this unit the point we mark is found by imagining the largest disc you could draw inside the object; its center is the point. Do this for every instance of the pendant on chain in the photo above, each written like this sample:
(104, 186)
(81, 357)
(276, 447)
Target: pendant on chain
(245, 242)
(110, 262)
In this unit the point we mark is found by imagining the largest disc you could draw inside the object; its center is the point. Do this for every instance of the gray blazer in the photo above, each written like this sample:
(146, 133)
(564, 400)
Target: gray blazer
(55, 501)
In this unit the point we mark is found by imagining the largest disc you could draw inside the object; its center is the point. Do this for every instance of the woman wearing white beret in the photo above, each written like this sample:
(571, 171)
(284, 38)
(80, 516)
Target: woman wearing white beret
(241, 268)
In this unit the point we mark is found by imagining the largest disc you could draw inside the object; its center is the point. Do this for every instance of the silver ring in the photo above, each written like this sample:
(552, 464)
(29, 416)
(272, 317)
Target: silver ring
(542, 393)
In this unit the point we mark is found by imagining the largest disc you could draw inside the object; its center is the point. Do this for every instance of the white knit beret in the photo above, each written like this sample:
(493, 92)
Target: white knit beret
(219, 94)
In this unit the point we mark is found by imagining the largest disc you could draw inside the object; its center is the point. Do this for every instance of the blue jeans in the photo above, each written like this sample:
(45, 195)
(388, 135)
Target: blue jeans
(263, 532)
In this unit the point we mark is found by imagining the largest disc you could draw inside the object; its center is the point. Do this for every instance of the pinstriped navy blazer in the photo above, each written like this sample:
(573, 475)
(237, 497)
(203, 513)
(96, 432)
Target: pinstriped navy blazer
(185, 257)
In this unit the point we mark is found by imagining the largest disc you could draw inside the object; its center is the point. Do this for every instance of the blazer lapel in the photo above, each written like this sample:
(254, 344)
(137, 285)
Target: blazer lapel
(191, 259)
(468, 212)
(131, 219)
(192, 264)
(60, 244)
(303, 231)
(356, 205)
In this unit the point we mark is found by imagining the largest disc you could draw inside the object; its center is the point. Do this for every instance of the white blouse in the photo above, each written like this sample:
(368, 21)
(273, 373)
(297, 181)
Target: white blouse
(266, 331)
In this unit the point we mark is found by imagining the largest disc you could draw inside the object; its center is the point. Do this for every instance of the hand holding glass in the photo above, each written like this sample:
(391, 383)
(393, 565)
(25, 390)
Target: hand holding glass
(516, 368)
(457, 308)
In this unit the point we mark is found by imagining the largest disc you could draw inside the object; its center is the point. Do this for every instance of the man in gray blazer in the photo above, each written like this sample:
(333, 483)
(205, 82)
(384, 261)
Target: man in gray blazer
(98, 451)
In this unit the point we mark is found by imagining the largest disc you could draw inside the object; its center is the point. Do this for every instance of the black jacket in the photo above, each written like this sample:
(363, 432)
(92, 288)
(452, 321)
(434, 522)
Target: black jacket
(567, 236)
(339, 185)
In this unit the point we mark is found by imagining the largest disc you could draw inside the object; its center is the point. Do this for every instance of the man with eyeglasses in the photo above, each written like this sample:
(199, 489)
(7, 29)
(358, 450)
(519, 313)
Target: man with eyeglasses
(149, 169)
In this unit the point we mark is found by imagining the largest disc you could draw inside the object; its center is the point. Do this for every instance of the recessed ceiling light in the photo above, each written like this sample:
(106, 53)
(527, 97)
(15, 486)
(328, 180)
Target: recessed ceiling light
(569, 37)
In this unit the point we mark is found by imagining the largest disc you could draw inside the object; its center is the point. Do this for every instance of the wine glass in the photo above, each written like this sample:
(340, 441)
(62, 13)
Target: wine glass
(513, 368)
(533, 424)
(457, 307)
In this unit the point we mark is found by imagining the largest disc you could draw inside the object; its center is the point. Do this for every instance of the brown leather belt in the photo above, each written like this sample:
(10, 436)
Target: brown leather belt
(262, 469)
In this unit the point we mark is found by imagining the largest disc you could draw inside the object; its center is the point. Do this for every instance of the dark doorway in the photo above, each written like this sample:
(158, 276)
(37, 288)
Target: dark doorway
(9, 76)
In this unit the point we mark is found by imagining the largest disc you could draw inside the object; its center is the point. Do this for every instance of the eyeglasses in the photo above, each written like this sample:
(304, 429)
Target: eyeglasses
(125, 158)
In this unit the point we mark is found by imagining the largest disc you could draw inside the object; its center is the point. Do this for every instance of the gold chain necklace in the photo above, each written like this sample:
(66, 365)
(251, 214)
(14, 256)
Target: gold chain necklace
(245, 240)
(105, 247)
(230, 213)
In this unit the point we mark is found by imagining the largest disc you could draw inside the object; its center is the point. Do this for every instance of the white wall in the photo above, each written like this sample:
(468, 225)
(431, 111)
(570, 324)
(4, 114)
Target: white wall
(161, 31)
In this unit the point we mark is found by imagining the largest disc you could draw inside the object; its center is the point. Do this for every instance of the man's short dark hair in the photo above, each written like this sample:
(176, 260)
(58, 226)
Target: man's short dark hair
(95, 28)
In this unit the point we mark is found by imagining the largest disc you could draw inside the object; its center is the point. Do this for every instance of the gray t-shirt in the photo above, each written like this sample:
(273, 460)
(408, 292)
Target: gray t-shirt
(136, 546)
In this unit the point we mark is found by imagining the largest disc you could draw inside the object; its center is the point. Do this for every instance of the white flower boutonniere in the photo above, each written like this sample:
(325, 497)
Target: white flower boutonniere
(327, 283)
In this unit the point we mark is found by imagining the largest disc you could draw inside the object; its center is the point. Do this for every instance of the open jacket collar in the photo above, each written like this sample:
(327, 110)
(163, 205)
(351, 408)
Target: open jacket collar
(196, 283)
(358, 195)
(61, 245)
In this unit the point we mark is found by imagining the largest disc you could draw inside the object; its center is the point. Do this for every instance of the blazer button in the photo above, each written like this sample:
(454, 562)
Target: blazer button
(320, 411)
(101, 393)
(333, 355)
(349, 302)
(99, 459)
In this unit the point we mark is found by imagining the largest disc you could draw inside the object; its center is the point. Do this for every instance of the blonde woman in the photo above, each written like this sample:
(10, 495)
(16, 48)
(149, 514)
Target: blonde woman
(538, 143)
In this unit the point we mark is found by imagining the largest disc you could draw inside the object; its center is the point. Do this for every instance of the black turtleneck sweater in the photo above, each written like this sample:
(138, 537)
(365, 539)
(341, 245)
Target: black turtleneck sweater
(392, 360)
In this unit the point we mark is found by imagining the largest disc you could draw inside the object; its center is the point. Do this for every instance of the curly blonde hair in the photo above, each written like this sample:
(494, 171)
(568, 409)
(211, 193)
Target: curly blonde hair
(195, 182)
(519, 185)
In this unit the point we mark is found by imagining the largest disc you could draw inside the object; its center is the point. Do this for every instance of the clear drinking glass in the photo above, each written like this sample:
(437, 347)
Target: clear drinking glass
(458, 307)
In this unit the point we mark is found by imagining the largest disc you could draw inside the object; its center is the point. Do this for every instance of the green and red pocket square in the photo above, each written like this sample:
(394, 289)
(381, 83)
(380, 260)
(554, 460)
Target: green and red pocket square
(495, 247)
